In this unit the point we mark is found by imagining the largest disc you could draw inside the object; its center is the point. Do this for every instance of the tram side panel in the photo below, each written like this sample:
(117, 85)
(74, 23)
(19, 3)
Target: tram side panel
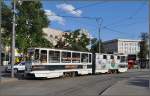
(105, 63)
(101, 65)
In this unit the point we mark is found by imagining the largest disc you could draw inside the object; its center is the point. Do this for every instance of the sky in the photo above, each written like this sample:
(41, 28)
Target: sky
(121, 19)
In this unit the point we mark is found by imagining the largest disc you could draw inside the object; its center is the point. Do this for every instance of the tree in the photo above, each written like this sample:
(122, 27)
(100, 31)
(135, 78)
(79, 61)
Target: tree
(60, 44)
(143, 46)
(95, 46)
(143, 54)
(76, 40)
(31, 19)
(6, 25)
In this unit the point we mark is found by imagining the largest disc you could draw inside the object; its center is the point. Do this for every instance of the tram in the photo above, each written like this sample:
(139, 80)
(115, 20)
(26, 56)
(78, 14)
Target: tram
(51, 63)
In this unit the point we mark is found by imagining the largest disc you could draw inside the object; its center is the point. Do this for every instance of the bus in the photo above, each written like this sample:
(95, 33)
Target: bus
(109, 63)
(51, 63)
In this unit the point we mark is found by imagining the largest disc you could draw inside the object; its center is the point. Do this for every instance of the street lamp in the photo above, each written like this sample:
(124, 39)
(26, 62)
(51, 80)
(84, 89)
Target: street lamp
(99, 22)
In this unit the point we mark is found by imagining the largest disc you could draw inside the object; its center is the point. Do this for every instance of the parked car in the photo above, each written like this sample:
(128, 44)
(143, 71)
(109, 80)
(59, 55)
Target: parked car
(20, 67)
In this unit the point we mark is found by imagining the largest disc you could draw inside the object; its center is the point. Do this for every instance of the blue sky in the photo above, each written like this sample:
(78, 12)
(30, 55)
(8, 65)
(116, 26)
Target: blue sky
(112, 12)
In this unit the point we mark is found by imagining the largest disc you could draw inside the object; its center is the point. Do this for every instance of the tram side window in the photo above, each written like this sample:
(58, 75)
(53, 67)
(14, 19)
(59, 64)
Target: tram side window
(30, 56)
(90, 58)
(36, 54)
(66, 57)
(111, 57)
(84, 58)
(118, 57)
(43, 56)
(75, 57)
(54, 56)
(104, 57)
(123, 59)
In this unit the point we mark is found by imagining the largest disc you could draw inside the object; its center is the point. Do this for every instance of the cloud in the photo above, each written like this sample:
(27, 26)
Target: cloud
(53, 17)
(69, 9)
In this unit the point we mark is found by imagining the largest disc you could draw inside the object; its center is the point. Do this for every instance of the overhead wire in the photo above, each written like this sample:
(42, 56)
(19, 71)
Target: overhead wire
(89, 5)
(114, 23)
(129, 17)
(118, 32)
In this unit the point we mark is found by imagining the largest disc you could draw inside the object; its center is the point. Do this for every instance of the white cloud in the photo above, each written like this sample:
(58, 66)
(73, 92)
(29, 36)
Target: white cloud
(69, 9)
(53, 17)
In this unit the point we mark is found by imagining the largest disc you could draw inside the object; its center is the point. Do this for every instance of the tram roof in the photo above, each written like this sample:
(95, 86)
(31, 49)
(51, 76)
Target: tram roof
(58, 49)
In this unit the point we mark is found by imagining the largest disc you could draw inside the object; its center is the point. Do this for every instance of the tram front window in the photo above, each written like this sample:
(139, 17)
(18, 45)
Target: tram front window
(123, 59)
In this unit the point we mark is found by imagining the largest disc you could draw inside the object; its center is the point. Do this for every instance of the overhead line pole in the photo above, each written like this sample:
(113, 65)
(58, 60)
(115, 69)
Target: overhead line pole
(13, 40)
(0, 33)
(149, 39)
(99, 22)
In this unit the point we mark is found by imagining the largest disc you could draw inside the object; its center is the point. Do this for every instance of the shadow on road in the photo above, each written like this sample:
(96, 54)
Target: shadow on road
(139, 82)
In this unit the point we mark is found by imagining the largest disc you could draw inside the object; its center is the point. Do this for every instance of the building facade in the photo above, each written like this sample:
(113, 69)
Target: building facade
(122, 46)
(53, 35)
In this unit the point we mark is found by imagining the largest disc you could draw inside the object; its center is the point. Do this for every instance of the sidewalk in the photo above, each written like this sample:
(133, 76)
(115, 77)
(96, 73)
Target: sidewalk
(137, 70)
(7, 79)
(138, 86)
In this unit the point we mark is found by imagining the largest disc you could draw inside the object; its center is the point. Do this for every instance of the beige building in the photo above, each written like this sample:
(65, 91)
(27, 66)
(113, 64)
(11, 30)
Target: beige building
(53, 35)
(125, 46)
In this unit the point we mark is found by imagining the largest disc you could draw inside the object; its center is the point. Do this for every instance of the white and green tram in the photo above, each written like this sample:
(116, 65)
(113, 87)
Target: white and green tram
(110, 63)
(51, 63)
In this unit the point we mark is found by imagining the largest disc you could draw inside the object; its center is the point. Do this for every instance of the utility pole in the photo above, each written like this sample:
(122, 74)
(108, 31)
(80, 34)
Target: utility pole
(99, 22)
(0, 33)
(13, 40)
(149, 39)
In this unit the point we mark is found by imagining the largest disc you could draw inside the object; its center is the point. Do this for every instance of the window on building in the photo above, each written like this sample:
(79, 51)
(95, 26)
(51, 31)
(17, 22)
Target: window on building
(56, 37)
(43, 57)
(54, 56)
(51, 36)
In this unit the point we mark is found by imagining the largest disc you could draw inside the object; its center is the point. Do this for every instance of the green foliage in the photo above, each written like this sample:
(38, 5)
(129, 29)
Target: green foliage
(75, 40)
(143, 47)
(6, 25)
(31, 19)
(60, 44)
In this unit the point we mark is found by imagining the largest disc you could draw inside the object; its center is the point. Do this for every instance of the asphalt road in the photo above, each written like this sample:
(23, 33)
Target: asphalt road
(92, 85)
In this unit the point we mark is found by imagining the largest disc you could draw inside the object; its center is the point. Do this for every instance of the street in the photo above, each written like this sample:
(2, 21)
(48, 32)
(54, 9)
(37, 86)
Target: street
(91, 85)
